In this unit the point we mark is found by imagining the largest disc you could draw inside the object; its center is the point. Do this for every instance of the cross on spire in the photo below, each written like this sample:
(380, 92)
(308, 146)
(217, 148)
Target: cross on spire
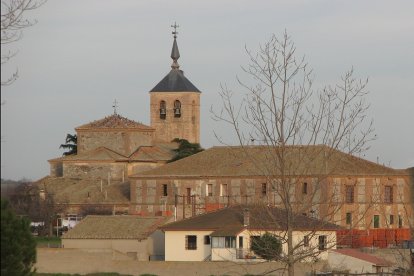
(175, 26)
(115, 106)
(175, 54)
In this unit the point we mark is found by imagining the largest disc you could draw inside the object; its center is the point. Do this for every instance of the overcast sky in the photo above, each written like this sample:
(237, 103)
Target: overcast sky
(81, 55)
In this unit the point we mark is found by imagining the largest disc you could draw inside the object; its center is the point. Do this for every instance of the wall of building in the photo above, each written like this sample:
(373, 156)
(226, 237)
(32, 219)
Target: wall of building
(115, 171)
(187, 126)
(56, 169)
(175, 246)
(327, 197)
(124, 142)
(134, 249)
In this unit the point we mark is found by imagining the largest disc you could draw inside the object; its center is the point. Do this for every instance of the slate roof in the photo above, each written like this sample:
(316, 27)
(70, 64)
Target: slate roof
(175, 81)
(260, 160)
(363, 256)
(229, 221)
(114, 227)
(114, 121)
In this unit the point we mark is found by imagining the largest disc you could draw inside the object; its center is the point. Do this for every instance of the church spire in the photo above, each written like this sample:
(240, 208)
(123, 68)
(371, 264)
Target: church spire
(175, 54)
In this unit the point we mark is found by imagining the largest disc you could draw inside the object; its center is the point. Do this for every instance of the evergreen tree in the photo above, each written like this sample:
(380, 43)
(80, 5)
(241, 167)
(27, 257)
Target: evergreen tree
(18, 247)
(71, 145)
(267, 246)
(185, 149)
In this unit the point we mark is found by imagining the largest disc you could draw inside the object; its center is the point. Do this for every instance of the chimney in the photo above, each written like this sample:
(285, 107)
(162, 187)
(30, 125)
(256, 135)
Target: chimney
(246, 217)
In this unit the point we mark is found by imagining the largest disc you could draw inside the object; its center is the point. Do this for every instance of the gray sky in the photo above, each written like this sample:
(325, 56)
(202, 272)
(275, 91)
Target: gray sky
(81, 55)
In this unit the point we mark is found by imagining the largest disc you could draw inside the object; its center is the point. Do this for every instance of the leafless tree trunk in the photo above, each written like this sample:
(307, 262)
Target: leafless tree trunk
(13, 21)
(282, 112)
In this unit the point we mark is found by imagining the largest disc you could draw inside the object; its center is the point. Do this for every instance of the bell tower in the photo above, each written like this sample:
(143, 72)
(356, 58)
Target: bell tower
(175, 103)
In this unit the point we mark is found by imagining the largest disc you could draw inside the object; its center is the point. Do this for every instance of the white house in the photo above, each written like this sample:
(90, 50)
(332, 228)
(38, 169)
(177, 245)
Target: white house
(227, 234)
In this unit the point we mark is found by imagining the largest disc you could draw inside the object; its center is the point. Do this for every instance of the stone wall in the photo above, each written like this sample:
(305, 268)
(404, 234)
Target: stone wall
(115, 171)
(56, 169)
(122, 141)
(187, 126)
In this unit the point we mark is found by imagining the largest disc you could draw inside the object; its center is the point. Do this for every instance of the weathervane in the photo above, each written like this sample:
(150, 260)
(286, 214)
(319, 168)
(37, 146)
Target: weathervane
(115, 106)
(175, 26)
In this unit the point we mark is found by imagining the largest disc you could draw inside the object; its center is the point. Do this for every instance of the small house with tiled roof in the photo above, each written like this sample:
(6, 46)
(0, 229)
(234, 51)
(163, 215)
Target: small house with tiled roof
(356, 261)
(126, 236)
(322, 182)
(227, 234)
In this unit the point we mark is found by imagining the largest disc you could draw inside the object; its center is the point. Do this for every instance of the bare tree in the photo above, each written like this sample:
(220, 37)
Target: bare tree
(13, 21)
(284, 114)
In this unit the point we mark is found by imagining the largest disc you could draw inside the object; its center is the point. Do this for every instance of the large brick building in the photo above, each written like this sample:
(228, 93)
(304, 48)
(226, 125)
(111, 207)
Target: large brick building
(323, 183)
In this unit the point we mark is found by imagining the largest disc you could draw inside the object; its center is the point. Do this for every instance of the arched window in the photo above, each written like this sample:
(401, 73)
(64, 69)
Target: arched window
(163, 110)
(177, 109)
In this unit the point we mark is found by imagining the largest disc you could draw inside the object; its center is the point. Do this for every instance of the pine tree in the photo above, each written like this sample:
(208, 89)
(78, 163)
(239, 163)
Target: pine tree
(18, 247)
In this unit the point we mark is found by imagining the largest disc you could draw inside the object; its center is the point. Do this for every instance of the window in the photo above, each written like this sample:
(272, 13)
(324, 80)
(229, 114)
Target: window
(164, 189)
(191, 242)
(224, 242)
(223, 190)
(305, 188)
(322, 242)
(264, 189)
(254, 240)
(391, 219)
(306, 241)
(188, 195)
(163, 110)
(400, 221)
(388, 196)
(349, 194)
(349, 218)
(206, 239)
(376, 221)
(240, 242)
(177, 109)
(209, 189)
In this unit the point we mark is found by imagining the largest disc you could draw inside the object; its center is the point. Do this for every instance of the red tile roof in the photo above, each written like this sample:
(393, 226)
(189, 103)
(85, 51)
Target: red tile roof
(114, 121)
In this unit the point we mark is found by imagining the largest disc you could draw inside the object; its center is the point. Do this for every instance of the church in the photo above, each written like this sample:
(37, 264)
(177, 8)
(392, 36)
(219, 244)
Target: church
(115, 147)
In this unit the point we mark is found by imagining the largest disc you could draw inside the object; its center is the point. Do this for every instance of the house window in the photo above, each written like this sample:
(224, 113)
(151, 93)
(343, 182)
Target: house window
(305, 188)
(376, 221)
(264, 189)
(188, 195)
(164, 189)
(163, 110)
(241, 242)
(254, 240)
(388, 196)
(306, 241)
(209, 189)
(349, 194)
(400, 221)
(206, 239)
(322, 242)
(349, 218)
(224, 242)
(191, 242)
(391, 219)
(223, 190)
(177, 109)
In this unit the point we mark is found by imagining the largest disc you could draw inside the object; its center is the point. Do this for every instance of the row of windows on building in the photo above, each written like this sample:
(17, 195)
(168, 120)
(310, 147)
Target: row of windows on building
(350, 194)
(349, 191)
(230, 242)
(376, 220)
(163, 109)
